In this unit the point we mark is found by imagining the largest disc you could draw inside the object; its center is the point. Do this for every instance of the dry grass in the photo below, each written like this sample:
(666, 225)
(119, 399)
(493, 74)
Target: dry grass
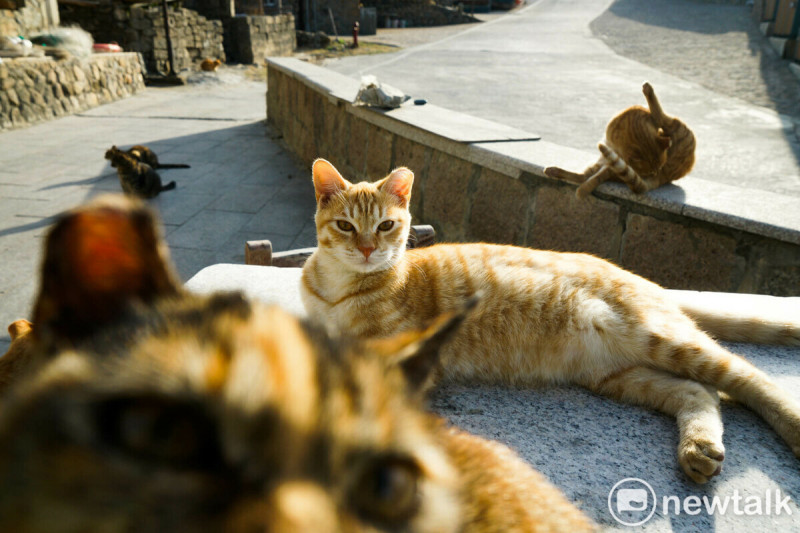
(343, 48)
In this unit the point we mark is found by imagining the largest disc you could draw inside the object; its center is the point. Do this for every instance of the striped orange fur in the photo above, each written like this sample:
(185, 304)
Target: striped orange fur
(644, 148)
(543, 317)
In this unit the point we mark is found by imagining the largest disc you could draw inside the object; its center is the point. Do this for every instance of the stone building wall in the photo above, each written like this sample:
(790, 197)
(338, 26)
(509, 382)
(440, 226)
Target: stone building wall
(251, 38)
(140, 29)
(345, 12)
(417, 12)
(37, 89)
(35, 16)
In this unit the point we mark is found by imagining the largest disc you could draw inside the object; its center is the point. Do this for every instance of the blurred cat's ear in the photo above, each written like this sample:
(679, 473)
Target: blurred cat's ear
(327, 181)
(99, 259)
(417, 352)
(398, 184)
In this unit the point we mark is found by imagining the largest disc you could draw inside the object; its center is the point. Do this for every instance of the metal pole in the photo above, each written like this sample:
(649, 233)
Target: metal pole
(171, 58)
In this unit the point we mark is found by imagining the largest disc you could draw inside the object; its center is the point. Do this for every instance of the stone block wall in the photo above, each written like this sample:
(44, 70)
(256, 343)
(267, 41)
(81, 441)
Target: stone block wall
(141, 29)
(194, 37)
(37, 89)
(35, 16)
(477, 192)
(251, 38)
(417, 12)
(316, 17)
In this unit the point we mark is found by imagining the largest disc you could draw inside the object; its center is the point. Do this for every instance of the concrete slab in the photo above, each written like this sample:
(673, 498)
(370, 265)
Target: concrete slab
(456, 126)
(586, 444)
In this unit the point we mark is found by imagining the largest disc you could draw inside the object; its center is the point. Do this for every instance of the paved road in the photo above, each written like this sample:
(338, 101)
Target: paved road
(242, 184)
(541, 68)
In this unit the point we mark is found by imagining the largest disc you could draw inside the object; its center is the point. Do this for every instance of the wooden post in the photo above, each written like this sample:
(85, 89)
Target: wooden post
(258, 253)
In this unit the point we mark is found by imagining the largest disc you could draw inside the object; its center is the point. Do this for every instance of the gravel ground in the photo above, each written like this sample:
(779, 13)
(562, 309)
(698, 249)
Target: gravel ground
(740, 61)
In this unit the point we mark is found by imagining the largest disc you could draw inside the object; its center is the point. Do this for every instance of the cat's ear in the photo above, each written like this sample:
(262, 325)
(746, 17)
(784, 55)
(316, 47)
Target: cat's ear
(327, 181)
(398, 184)
(417, 352)
(99, 259)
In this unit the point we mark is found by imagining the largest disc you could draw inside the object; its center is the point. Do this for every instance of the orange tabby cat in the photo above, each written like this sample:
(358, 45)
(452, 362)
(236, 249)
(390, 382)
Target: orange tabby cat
(543, 316)
(151, 409)
(643, 149)
(17, 360)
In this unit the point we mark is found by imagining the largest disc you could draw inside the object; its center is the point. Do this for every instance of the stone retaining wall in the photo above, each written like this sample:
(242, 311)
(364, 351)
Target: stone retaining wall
(37, 89)
(141, 29)
(478, 180)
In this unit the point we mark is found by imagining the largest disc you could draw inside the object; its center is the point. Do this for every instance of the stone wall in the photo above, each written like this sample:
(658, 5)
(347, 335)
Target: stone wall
(417, 13)
(252, 38)
(315, 17)
(476, 180)
(141, 29)
(36, 16)
(38, 89)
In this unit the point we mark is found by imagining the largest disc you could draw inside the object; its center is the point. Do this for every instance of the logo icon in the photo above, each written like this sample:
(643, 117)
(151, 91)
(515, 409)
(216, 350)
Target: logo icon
(632, 501)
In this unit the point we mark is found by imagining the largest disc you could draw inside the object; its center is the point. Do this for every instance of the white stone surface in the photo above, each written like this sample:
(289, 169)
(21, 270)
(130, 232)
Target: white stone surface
(585, 443)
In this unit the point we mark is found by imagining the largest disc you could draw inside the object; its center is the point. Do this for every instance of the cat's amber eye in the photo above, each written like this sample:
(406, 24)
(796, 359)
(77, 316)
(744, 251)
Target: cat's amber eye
(345, 225)
(386, 225)
(387, 490)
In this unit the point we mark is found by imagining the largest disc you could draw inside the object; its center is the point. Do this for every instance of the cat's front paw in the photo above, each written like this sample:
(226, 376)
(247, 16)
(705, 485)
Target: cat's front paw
(701, 459)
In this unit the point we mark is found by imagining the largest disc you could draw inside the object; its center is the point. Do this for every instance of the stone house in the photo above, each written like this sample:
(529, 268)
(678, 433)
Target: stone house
(26, 17)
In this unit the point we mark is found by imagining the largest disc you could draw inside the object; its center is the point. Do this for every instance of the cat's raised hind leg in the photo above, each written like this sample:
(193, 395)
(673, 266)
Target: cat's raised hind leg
(695, 407)
(662, 120)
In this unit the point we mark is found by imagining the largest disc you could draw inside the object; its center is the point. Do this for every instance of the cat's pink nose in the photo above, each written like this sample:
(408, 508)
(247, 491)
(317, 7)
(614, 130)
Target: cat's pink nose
(366, 250)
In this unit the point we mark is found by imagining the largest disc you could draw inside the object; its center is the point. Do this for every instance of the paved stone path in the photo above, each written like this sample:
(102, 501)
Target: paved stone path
(242, 185)
(543, 69)
(717, 46)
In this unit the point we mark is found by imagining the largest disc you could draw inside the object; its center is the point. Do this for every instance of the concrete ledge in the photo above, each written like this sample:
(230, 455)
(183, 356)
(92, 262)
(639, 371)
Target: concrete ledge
(585, 443)
(479, 180)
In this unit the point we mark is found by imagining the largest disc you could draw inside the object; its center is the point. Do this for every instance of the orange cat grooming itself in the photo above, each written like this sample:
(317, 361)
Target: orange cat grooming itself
(542, 317)
(643, 149)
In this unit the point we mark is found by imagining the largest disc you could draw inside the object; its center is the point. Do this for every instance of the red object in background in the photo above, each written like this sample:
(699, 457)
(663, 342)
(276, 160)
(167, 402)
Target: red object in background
(106, 47)
(355, 34)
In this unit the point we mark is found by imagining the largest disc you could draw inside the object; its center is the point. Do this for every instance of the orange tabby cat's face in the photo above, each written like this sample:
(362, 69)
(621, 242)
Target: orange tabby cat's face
(365, 225)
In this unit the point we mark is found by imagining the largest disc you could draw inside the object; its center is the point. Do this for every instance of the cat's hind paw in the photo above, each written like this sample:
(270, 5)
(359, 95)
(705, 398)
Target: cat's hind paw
(701, 460)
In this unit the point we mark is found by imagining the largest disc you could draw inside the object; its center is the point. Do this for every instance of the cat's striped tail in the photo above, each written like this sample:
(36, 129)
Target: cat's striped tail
(743, 318)
(622, 169)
